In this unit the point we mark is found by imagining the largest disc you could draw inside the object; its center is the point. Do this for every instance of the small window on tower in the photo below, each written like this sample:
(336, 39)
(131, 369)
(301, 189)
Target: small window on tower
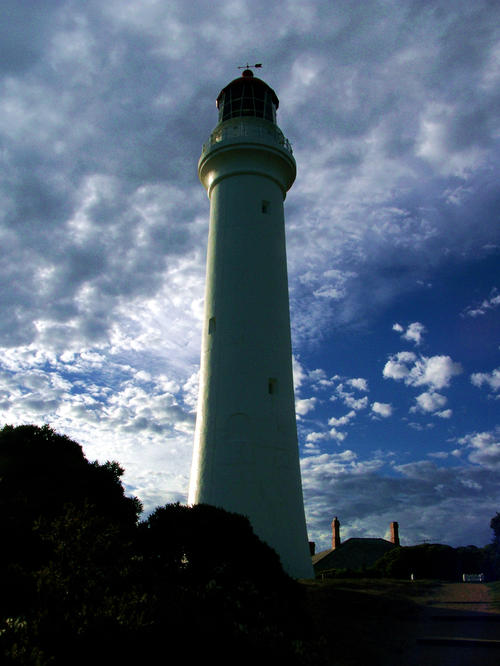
(266, 207)
(211, 325)
(272, 386)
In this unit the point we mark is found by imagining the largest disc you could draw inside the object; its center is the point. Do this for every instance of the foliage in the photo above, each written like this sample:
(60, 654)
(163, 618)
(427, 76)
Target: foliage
(437, 561)
(423, 561)
(229, 583)
(495, 526)
(79, 592)
(493, 549)
(41, 471)
(203, 541)
(85, 582)
(471, 559)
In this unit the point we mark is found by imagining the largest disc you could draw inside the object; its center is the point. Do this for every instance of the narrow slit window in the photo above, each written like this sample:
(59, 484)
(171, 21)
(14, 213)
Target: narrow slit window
(272, 385)
(266, 207)
(211, 325)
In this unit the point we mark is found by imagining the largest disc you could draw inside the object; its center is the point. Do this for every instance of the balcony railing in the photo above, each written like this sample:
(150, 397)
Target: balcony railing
(237, 129)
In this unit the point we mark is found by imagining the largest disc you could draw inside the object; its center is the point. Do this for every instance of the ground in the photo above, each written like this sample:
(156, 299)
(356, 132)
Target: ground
(380, 622)
(461, 627)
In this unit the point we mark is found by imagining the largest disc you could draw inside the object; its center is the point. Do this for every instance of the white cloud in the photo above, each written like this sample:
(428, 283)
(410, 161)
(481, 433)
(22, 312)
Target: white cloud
(337, 434)
(430, 401)
(317, 376)
(383, 409)
(319, 469)
(343, 420)
(305, 405)
(299, 374)
(470, 483)
(190, 391)
(434, 143)
(487, 304)
(319, 380)
(356, 404)
(413, 333)
(445, 414)
(422, 496)
(397, 365)
(435, 371)
(491, 379)
(483, 448)
(333, 283)
(311, 448)
(314, 437)
(349, 400)
(358, 383)
(419, 426)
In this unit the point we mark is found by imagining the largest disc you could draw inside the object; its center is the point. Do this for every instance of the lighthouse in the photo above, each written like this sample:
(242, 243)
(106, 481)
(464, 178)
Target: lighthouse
(246, 457)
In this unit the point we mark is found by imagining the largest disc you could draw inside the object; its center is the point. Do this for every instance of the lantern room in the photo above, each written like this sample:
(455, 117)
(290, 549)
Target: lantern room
(247, 96)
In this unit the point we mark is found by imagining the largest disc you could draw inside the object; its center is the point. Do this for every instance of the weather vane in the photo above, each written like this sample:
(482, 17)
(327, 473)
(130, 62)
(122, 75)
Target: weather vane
(247, 66)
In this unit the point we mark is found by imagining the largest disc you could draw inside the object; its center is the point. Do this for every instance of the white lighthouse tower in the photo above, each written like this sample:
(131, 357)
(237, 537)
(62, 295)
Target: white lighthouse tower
(246, 453)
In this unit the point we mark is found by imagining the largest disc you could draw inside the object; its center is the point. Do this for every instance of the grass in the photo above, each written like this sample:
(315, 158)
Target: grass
(495, 593)
(366, 621)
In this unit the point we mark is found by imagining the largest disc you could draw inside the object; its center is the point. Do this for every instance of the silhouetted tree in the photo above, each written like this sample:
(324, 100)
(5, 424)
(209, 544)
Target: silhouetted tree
(492, 550)
(471, 559)
(83, 582)
(239, 600)
(204, 541)
(424, 561)
(495, 526)
(43, 473)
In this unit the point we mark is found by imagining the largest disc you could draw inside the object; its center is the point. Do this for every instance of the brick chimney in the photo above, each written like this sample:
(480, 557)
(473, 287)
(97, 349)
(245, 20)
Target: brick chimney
(395, 533)
(335, 533)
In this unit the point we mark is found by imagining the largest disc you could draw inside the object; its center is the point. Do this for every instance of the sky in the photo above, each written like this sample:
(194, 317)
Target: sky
(393, 238)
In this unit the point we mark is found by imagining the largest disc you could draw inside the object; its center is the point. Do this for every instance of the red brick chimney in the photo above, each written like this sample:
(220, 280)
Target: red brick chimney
(395, 533)
(335, 533)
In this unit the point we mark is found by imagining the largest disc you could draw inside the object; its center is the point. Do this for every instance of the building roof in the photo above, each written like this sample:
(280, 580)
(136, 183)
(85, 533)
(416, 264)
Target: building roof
(354, 553)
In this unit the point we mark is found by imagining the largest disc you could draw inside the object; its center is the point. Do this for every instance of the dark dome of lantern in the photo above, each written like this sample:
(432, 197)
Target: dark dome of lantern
(247, 96)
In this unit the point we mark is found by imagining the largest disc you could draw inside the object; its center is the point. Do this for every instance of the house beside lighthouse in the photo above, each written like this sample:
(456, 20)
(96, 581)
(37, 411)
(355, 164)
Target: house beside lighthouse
(246, 455)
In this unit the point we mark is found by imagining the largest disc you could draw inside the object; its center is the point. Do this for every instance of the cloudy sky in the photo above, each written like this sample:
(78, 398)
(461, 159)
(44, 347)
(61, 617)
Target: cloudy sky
(392, 108)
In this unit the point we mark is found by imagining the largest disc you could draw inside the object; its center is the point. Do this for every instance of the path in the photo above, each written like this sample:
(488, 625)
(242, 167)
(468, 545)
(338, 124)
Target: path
(460, 627)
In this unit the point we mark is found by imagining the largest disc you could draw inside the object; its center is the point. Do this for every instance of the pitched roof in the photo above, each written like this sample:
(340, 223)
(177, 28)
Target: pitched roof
(354, 553)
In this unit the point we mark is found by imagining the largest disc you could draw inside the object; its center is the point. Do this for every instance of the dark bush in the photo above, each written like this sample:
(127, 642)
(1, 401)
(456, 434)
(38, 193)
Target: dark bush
(428, 560)
(82, 582)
